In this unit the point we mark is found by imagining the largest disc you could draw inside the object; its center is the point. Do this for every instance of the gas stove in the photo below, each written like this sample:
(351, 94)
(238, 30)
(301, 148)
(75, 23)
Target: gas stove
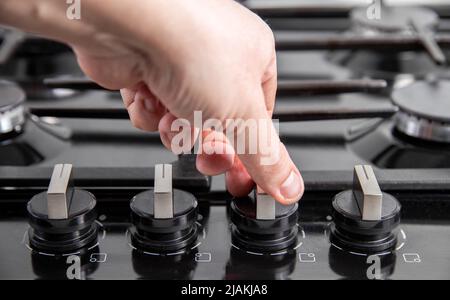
(364, 113)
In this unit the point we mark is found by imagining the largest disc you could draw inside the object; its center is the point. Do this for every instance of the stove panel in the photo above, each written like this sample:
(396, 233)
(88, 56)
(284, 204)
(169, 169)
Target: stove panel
(421, 251)
(329, 66)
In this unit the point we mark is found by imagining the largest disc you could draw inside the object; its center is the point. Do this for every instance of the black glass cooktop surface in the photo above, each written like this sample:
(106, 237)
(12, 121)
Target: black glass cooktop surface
(421, 252)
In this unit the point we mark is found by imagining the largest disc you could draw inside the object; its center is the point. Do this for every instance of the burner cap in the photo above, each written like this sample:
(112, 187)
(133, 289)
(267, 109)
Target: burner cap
(424, 110)
(12, 112)
(394, 19)
(11, 96)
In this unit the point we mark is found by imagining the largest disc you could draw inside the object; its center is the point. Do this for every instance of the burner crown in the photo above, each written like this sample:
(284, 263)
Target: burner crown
(12, 111)
(424, 110)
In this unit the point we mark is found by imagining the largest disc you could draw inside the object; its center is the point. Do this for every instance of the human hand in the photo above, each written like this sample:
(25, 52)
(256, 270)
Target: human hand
(170, 58)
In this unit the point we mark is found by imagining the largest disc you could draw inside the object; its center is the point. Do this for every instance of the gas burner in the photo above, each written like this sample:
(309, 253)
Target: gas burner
(424, 111)
(24, 141)
(12, 111)
(36, 59)
(393, 19)
(400, 68)
(388, 148)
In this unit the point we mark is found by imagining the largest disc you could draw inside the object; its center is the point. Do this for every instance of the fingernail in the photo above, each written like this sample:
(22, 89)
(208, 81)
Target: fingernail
(292, 188)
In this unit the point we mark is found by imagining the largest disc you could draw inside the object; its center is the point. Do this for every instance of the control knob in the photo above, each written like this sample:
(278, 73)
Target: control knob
(365, 218)
(62, 219)
(261, 224)
(164, 218)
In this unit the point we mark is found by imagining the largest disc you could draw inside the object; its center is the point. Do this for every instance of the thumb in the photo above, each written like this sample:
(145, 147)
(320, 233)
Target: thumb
(270, 166)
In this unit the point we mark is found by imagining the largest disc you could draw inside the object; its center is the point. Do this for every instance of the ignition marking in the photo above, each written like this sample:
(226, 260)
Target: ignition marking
(278, 253)
(198, 244)
(254, 253)
(403, 234)
(176, 253)
(298, 246)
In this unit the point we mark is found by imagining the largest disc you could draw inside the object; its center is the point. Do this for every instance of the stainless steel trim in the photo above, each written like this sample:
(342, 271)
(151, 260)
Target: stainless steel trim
(12, 119)
(422, 128)
(265, 205)
(367, 193)
(163, 202)
(60, 192)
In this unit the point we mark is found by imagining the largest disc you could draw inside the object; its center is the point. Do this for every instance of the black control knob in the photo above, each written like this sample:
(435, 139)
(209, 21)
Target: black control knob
(262, 225)
(164, 219)
(365, 218)
(62, 220)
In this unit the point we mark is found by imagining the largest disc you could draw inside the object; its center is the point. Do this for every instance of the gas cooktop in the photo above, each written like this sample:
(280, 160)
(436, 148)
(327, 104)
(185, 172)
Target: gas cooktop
(421, 240)
(364, 112)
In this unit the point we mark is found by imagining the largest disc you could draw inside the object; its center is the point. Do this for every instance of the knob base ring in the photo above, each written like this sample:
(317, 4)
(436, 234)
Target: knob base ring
(261, 245)
(63, 246)
(347, 243)
(163, 246)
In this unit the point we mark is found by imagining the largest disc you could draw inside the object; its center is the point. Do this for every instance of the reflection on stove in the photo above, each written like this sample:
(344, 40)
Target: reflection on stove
(164, 267)
(358, 267)
(243, 266)
(78, 266)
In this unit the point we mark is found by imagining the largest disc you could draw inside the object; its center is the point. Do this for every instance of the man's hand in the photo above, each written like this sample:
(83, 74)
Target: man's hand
(170, 58)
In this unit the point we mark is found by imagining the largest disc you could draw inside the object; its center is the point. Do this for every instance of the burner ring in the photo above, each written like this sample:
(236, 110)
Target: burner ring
(395, 19)
(422, 128)
(424, 110)
(12, 109)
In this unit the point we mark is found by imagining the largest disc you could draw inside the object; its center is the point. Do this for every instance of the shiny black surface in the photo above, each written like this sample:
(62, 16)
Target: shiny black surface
(37, 59)
(388, 148)
(423, 235)
(33, 144)
(120, 159)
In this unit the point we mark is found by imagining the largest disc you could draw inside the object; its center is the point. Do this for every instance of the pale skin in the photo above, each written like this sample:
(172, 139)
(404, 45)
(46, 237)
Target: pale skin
(170, 58)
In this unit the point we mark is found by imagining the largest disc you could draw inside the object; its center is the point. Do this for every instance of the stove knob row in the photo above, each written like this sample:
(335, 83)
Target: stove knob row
(63, 219)
(365, 218)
